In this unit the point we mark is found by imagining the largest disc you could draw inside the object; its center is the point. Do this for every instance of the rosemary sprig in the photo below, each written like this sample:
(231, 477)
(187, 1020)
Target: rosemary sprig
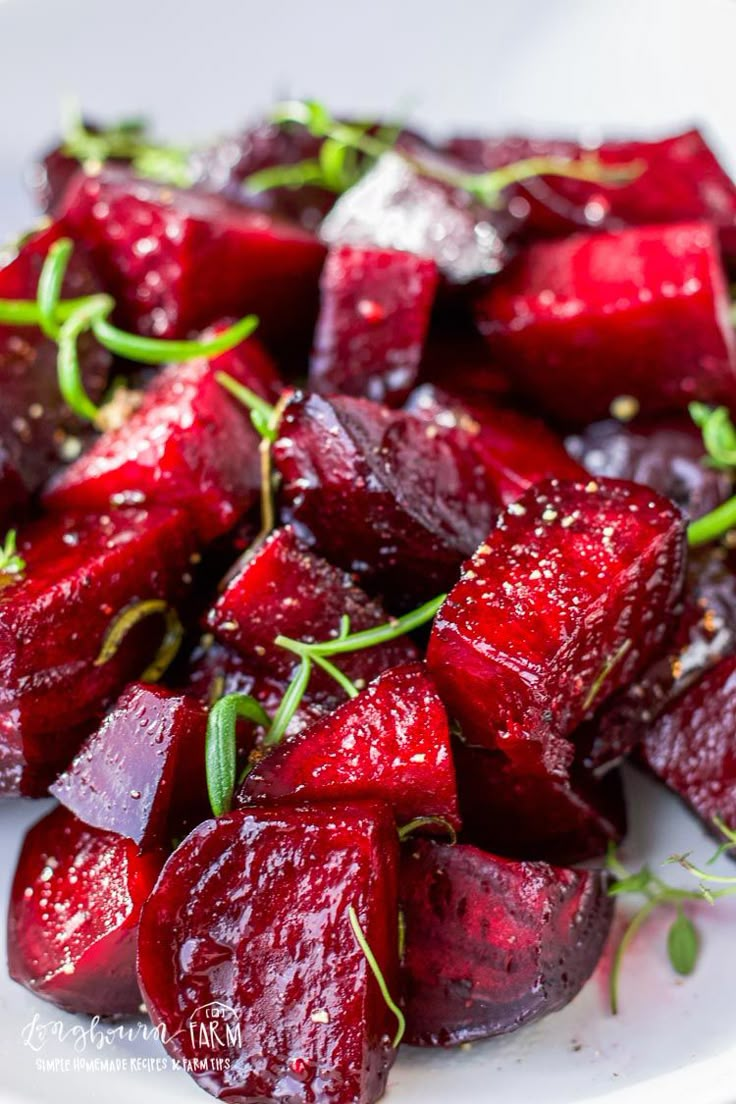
(12, 565)
(360, 939)
(719, 440)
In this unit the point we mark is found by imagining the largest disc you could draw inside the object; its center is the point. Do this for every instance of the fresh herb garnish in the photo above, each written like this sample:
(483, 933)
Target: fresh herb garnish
(127, 619)
(221, 745)
(682, 938)
(65, 321)
(414, 825)
(719, 439)
(12, 565)
(336, 171)
(378, 975)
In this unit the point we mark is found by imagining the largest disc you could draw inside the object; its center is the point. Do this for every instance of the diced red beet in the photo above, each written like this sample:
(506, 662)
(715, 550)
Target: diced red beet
(666, 455)
(492, 944)
(570, 596)
(251, 917)
(38, 432)
(705, 632)
(641, 313)
(394, 207)
(515, 450)
(143, 771)
(284, 589)
(691, 746)
(457, 358)
(383, 494)
(372, 324)
(178, 260)
(81, 573)
(74, 911)
(528, 816)
(681, 180)
(189, 445)
(391, 742)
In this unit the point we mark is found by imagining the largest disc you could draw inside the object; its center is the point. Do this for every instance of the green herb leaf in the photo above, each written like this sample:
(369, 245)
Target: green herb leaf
(127, 619)
(262, 414)
(49, 285)
(414, 825)
(156, 350)
(221, 745)
(634, 883)
(71, 383)
(12, 566)
(378, 974)
(682, 944)
(719, 434)
(289, 704)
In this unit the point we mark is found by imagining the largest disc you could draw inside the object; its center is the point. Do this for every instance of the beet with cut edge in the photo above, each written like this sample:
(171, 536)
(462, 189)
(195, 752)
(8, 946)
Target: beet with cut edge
(284, 589)
(74, 910)
(142, 774)
(178, 260)
(189, 445)
(642, 313)
(372, 323)
(397, 501)
(570, 596)
(391, 742)
(251, 915)
(38, 431)
(492, 944)
(690, 747)
(81, 573)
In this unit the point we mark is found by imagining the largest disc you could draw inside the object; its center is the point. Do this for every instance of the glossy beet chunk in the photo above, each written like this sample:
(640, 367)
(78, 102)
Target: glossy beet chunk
(74, 911)
(514, 449)
(143, 772)
(38, 432)
(190, 445)
(385, 495)
(570, 596)
(391, 742)
(251, 914)
(284, 589)
(528, 816)
(81, 573)
(492, 944)
(641, 313)
(372, 323)
(178, 260)
(691, 746)
(666, 455)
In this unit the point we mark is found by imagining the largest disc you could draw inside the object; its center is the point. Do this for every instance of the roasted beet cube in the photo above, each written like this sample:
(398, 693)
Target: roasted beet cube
(691, 746)
(143, 771)
(641, 313)
(530, 816)
(38, 432)
(190, 444)
(492, 944)
(252, 915)
(391, 742)
(372, 323)
(74, 910)
(666, 455)
(178, 260)
(382, 493)
(568, 599)
(81, 574)
(395, 207)
(514, 449)
(284, 589)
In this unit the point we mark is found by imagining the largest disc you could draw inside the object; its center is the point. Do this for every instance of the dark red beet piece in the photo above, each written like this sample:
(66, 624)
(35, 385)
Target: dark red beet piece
(394, 207)
(143, 772)
(528, 816)
(372, 323)
(38, 432)
(569, 598)
(644, 312)
(251, 914)
(514, 449)
(74, 911)
(189, 445)
(80, 574)
(391, 742)
(284, 589)
(399, 502)
(691, 746)
(705, 632)
(178, 260)
(665, 455)
(492, 944)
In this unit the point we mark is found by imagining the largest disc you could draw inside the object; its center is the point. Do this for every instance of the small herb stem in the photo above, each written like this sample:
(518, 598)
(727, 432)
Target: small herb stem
(154, 350)
(262, 413)
(128, 617)
(633, 927)
(221, 747)
(50, 284)
(289, 704)
(365, 947)
(370, 638)
(423, 822)
(71, 383)
(713, 525)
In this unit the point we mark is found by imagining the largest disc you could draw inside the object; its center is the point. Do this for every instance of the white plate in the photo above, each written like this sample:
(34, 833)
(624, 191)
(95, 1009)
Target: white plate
(557, 64)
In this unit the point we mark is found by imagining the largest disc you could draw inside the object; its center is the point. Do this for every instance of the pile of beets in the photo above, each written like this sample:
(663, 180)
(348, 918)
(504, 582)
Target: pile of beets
(444, 377)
